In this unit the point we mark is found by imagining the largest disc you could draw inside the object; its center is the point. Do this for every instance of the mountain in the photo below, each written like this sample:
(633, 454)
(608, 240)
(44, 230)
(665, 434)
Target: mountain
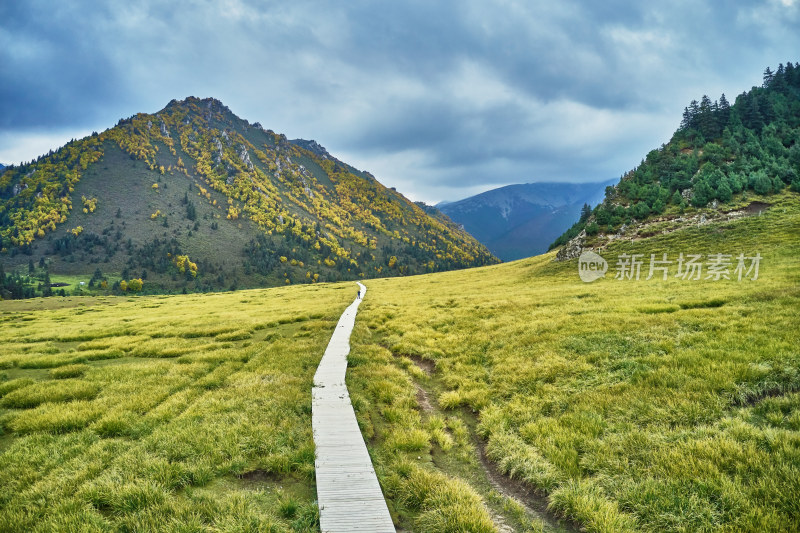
(519, 221)
(194, 197)
(721, 155)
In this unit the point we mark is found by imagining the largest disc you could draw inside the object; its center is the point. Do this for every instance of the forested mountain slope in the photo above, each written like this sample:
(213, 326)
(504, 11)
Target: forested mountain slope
(719, 153)
(195, 197)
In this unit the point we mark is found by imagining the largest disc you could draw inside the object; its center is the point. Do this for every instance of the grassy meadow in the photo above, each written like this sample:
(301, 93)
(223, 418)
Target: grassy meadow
(179, 413)
(612, 406)
(630, 405)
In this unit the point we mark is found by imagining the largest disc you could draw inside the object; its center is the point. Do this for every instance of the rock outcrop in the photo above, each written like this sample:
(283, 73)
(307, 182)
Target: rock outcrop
(573, 248)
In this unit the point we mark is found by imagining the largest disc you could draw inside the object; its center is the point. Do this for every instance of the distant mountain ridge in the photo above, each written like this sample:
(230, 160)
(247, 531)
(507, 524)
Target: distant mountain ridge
(193, 197)
(521, 220)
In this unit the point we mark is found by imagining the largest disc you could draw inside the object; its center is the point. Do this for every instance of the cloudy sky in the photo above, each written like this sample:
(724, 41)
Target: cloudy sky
(441, 99)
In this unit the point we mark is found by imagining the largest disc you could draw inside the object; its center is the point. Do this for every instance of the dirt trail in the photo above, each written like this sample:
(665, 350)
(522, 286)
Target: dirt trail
(535, 504)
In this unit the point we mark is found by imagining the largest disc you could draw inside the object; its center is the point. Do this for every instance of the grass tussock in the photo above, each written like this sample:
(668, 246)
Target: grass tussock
(68, 371)
(444, 505)
(53, 391)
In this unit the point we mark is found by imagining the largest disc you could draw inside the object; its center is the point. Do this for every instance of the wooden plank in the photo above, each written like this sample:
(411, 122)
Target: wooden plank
(348, 492)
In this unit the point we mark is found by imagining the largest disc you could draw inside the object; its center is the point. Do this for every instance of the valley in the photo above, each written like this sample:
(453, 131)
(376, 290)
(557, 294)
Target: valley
(627, 405)
(168, 288)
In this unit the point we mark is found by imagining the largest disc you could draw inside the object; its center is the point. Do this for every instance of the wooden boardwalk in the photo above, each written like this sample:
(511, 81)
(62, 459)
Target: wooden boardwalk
(349, 496)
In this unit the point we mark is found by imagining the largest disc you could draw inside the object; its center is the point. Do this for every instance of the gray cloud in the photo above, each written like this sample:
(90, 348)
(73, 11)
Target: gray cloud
(441, 99)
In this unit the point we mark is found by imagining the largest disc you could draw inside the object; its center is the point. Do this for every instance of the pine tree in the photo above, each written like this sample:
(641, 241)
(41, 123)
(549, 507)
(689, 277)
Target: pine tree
(694, 111)
(686, 122)
(724, 111)
(753, 118)
(586, 211)
(708, 123)
(768, 76)
(792, 74)
(47, 289)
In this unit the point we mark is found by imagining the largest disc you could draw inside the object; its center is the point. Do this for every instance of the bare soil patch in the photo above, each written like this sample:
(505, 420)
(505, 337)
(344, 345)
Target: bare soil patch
(423, 400)
(426, 365)
(533, 502)
(757, 207)
(258, 476)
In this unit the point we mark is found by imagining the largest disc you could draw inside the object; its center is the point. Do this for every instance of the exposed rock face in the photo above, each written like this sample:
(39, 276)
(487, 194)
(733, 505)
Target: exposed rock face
(312, 146)
(245, 157)
(573, 248)
(164, 130)
(218, 152)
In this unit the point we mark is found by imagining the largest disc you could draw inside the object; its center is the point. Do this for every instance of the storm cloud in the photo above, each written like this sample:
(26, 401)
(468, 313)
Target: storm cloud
(439, 99)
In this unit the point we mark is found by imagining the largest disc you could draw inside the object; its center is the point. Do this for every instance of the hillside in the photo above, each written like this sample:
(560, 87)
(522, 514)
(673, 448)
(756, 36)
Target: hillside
(720, 154)
(193, 197)
(519, 221)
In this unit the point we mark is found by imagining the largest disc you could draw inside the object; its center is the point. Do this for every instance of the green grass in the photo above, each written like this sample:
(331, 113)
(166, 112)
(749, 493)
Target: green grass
(199, 421)
(634, 405)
